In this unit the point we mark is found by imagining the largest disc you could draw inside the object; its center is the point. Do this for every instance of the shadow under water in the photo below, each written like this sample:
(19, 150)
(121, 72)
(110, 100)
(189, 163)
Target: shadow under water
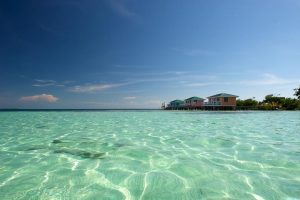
(81, 153)
(58, 149)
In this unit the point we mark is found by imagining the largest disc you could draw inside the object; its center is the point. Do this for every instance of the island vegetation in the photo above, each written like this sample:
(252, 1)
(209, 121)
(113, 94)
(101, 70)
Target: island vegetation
(271, 102)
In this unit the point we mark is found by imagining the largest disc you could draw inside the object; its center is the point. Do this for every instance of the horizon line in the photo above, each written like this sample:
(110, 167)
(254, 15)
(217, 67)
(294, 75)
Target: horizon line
(73, 109)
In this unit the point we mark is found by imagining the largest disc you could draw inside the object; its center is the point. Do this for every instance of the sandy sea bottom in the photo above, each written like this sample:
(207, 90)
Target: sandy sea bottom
(150, 155)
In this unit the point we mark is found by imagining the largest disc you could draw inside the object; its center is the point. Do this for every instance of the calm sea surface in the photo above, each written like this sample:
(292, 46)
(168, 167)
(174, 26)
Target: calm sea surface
(149, 155)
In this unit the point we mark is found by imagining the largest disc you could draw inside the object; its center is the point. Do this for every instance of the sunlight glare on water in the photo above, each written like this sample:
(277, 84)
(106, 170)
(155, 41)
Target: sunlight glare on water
(149, 155)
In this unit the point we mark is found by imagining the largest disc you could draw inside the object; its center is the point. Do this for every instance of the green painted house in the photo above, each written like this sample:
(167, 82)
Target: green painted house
(193, 102)
(176, 104)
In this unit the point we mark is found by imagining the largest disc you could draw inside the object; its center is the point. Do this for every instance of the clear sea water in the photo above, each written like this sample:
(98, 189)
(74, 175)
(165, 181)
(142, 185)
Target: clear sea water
(150, 155)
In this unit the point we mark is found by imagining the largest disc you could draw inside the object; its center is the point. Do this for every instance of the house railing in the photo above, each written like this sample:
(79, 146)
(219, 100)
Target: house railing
(213, 103)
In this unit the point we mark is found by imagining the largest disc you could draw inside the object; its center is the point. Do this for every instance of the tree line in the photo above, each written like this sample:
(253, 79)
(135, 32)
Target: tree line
(271, 102)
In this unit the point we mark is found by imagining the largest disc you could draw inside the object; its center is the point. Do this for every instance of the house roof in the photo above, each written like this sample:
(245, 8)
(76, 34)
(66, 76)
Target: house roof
(223, 95)
(176, 101)
(194, 98)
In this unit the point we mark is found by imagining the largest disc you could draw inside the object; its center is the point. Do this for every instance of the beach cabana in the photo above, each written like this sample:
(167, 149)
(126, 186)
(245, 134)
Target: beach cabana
(193, 102)
(175, 104)
(222, 99)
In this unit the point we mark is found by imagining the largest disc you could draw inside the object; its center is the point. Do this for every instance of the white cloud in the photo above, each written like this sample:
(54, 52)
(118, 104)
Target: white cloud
(46, 83)
(151, 103)
(183, 77)
(94, 87)
(269, 79)
(43, 85)
(199, 84)
(120, 8)
(42, 97)
(264, 80)
(129, 98)
(68, 82)
(193, 52)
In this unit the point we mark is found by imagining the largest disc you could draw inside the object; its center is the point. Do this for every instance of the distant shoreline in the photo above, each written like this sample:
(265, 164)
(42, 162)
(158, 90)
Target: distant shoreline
(80, 109)
(146, 109)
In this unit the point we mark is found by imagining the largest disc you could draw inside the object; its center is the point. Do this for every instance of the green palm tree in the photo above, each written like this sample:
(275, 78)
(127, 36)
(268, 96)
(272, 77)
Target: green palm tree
(297, 92)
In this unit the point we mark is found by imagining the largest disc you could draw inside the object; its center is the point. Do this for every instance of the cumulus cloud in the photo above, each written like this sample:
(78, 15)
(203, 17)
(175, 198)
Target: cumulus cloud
(41, 97)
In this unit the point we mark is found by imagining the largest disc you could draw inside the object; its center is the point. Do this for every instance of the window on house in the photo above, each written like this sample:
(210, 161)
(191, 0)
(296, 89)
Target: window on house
(225, 99)
(218, 99)
(195, 101)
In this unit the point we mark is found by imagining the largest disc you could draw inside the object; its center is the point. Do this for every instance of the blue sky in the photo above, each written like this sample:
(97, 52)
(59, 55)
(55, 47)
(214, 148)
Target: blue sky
(138, 54)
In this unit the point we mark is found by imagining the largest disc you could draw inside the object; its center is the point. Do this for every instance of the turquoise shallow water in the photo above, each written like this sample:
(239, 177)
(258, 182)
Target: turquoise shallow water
(149, 155)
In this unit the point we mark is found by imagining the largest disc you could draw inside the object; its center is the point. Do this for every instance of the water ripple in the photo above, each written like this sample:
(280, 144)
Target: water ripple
(149, 155)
